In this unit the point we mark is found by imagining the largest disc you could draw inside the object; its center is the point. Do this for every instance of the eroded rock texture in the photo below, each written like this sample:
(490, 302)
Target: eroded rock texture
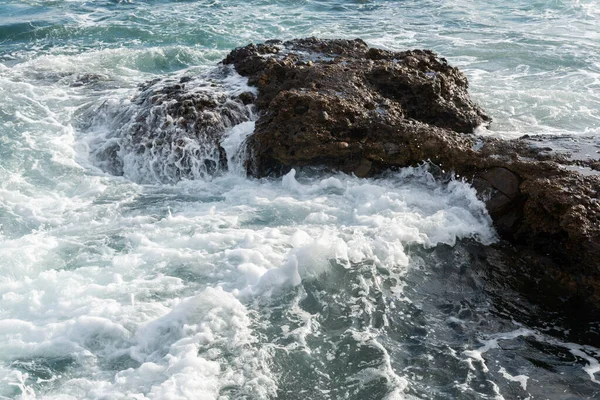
(340, 104)
(348, 107)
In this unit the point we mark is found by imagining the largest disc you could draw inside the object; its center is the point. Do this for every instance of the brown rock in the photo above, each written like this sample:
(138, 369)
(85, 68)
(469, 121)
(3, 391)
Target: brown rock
(396, 109)
(504, 181)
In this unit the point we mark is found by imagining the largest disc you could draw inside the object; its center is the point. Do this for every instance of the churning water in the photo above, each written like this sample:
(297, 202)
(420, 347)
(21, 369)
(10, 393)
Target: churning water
(160, 275)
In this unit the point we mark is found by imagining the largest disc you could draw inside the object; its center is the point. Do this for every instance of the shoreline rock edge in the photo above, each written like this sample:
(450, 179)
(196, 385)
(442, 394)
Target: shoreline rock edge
(345, 106)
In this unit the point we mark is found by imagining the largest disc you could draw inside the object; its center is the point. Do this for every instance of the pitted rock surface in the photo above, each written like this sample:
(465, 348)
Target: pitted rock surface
(350, 102)
(344, 106)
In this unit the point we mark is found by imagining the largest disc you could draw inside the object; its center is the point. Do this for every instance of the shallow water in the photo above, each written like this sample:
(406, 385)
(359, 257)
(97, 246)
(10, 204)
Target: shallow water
(309, 286)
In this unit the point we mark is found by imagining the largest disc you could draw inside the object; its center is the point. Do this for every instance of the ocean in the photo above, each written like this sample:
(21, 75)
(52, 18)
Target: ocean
(315, 285)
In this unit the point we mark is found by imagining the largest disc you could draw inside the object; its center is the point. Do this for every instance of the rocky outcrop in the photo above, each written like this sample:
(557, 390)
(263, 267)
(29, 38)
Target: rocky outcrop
(172, 128)
(348, 107)
(340, 104)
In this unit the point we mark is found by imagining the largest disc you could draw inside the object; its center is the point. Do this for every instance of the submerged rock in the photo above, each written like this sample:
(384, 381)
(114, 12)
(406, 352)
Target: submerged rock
(172, 128)
(345, 106)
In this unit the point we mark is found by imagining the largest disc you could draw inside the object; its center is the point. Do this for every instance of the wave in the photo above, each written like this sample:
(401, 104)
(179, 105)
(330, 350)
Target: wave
(172, 129)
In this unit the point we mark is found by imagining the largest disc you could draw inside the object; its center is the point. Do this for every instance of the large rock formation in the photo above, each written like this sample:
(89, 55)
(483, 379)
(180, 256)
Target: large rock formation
(340, 104)
(348, 107)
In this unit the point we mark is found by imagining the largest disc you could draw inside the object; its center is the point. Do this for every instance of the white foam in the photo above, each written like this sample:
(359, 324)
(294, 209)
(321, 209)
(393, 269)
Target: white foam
(233, 144)
(182, 350)
(123, 245)
(492, 343)
(593, 365)
(522, 379)
(584, 352)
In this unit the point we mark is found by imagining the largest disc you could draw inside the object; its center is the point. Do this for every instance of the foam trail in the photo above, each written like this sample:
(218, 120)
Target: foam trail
(233, 144)
(522, 379)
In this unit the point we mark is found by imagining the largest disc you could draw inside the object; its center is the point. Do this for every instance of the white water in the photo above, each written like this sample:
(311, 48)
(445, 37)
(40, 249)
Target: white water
(114, 289)
(140, 289)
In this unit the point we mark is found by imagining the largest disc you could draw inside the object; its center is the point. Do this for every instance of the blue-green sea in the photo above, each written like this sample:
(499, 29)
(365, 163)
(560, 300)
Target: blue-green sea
(311, 286)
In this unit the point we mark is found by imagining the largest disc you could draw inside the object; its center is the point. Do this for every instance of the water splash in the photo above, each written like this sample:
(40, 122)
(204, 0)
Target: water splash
(172, 129)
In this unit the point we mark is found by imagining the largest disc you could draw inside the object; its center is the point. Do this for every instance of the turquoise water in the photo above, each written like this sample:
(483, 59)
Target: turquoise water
(534, 65)
(312, 286)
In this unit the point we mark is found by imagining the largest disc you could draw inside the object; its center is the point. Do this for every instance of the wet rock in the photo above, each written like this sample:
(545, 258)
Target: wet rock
(172, 128)
(503, 180)
(499, 188)
(247, 97)
(348, 107)
(315, 93)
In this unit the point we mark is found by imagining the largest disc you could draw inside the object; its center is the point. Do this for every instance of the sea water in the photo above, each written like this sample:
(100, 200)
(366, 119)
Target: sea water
(311, 286)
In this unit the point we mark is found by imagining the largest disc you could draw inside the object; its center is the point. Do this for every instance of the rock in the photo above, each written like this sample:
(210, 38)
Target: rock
(503, 180)
(348, 107)
(247, 97)
(172, 128)
(315, 93)
(499, 188)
